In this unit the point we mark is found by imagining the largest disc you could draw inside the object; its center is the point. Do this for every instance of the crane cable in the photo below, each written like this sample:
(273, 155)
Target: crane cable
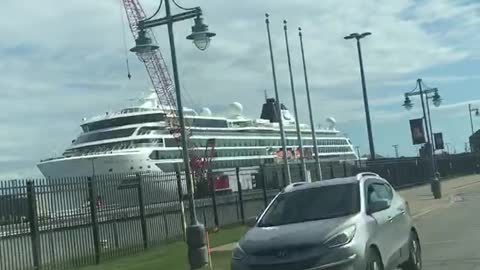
(122, 21)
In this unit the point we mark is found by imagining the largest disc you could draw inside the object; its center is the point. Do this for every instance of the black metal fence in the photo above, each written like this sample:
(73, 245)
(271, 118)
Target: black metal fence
(70, 222)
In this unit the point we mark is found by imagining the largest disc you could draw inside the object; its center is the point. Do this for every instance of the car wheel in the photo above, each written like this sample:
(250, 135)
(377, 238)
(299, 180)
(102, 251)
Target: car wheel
(374, 262)
(415, 254)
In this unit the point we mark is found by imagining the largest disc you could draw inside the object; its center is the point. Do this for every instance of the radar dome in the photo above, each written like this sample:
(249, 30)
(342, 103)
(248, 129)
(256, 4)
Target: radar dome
(235, 109)
(206, 112)
(331, 122)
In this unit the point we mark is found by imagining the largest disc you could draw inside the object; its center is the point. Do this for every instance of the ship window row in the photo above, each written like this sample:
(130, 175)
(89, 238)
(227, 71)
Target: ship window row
(339, 149)
(257, 142)
(98, 136)
(210, 123)
(123, 121)
(106, 147)
(173, 154)
(151, 131)
(170, 154)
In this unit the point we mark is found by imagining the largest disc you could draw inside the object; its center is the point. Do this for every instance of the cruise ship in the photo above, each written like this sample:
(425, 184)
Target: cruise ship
(136, 139)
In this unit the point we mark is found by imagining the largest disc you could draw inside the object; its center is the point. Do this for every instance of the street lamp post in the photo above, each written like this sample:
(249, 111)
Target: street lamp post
(436, 99)
(364, 89)
(312, 125)
(295, 110)
(477, 113)
(278, 106)
(195, 232)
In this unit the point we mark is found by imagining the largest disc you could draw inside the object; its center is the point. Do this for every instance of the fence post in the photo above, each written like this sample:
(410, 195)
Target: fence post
(180, 200)
(211, 185)
(93, 215)
(204, 216)
(332, 174)
(115, 234)
(240, 196)
(165, 224)
(33, 221)
(141, 204)
(264, 186)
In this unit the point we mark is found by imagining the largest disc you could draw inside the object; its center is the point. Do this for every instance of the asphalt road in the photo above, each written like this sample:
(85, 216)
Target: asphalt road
(450, 234)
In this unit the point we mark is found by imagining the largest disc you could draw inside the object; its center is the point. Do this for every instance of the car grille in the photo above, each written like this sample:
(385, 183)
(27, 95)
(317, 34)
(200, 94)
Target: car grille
(287, 266)
(290, 250)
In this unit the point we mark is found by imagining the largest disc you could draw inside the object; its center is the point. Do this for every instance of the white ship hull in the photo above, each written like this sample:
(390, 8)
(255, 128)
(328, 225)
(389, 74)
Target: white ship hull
(104, 164)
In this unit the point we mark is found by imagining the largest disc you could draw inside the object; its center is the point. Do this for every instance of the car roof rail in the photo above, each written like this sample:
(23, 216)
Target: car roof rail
(293, 185)
(363, 174)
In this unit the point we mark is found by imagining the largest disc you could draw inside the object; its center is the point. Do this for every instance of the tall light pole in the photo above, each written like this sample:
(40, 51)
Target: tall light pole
(278, 106)
(195, 232)
(364, 89)
(312, 125)
(395, 146)
(436, 99)
(477, 113)
(294, 99)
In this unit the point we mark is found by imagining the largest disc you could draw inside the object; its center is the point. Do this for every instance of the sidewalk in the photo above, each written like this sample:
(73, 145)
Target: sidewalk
(420, 199)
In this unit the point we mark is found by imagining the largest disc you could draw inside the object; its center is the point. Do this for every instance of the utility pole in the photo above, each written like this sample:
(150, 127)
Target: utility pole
(395, 146)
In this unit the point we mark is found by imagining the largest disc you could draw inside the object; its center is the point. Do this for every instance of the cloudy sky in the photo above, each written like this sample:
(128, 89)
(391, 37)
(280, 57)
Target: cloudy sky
(61, 61)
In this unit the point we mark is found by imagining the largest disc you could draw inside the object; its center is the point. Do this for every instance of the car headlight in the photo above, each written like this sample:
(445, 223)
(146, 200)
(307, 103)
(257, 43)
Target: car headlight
(342, 238)
(238, 253)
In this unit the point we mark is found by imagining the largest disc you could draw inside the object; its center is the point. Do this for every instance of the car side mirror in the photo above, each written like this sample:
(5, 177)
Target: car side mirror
(377, 206)
(251, 221)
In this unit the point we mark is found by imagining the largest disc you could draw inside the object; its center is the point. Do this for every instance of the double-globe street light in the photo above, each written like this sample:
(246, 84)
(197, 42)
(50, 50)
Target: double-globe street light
(195, 232)
(432, 94)
(357, 37)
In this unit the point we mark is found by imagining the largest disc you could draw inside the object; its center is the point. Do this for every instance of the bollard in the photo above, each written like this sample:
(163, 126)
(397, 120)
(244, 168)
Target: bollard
(436, 189)
(197, 249)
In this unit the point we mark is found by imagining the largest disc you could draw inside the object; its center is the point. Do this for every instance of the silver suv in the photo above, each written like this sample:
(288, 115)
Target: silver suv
(345, 223)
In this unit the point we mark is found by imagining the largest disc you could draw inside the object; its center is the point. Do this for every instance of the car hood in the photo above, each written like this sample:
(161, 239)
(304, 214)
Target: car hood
(297, 234)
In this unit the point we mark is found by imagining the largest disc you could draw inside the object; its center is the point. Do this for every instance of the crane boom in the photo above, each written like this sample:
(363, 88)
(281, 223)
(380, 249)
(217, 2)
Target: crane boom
(160, 79)
(154, 61)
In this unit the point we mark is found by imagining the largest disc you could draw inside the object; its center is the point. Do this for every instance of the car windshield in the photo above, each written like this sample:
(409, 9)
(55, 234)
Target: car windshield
(313, 204)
